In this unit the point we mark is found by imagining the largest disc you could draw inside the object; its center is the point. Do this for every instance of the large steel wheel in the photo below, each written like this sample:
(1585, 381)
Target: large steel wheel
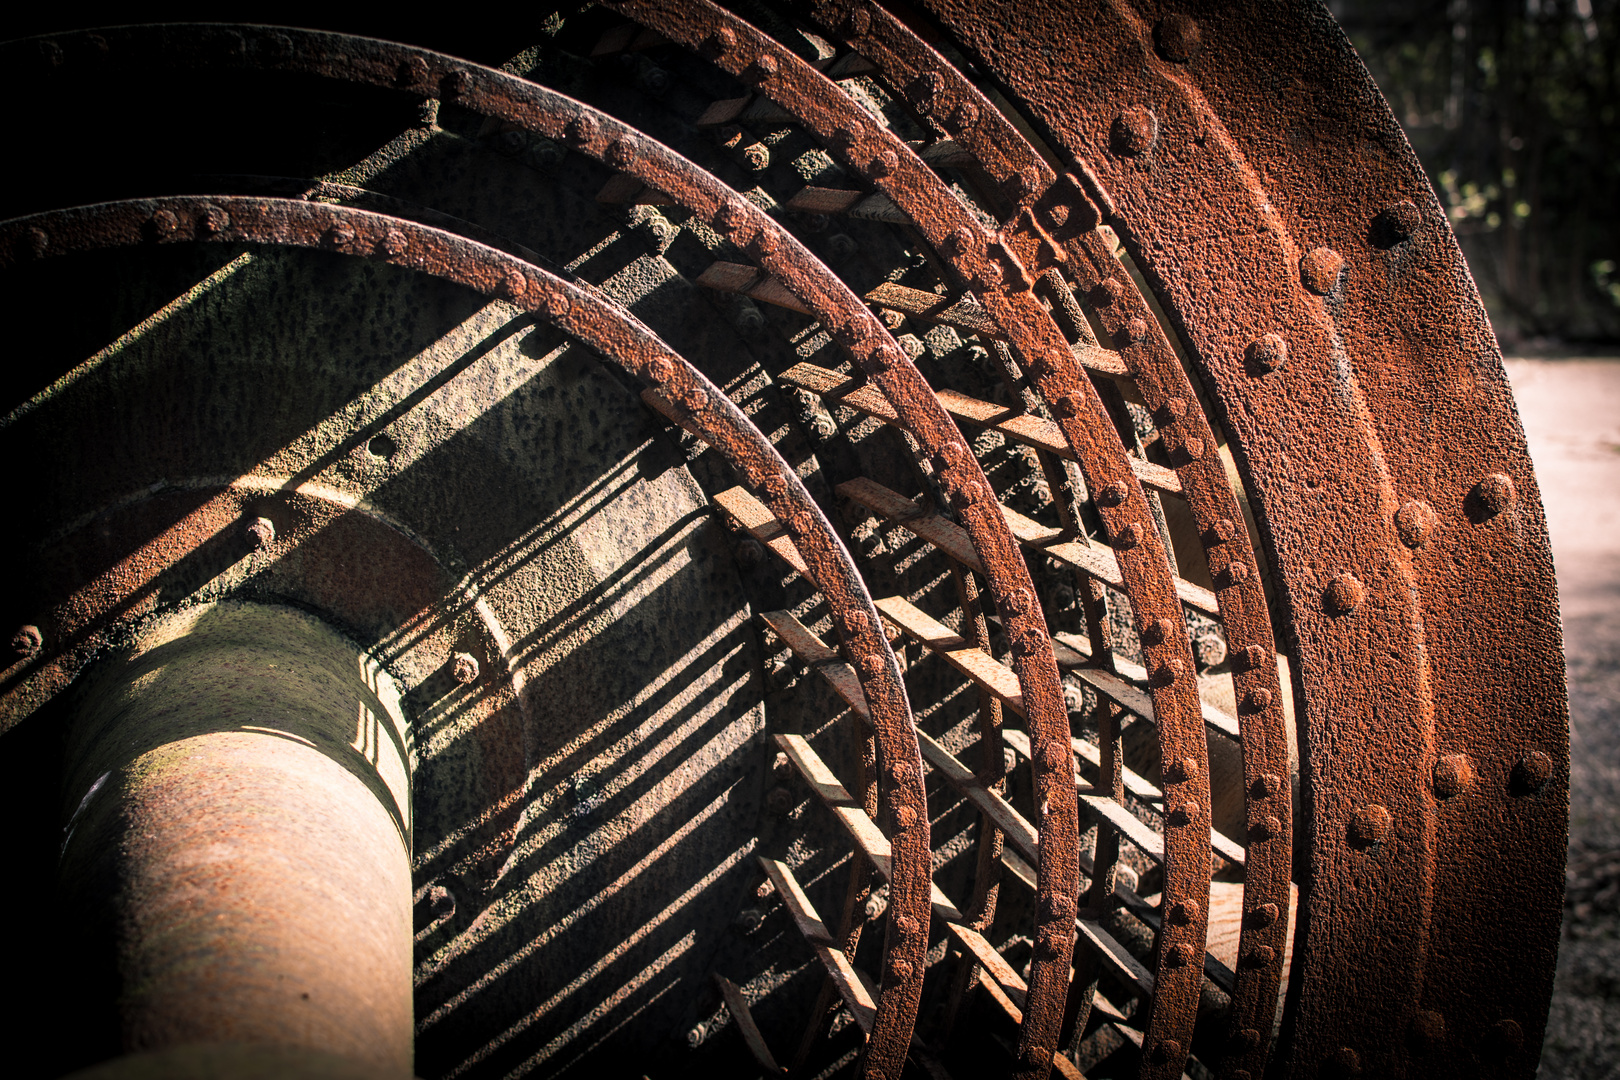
(1051, 496)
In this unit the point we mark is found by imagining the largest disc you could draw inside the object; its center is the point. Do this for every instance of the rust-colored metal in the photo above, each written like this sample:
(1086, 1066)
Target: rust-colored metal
(1317, 375)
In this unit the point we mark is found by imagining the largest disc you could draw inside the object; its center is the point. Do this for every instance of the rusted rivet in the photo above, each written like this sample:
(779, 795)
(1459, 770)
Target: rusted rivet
(989, 275)
(1343, 594)
(1260, 956)
(900, 969)
(1134, 131)
(1106, 293)
(1185, 913)
(554, 303)
(1159, 630)
(464, 668)
(1128, 535)
(1369, 825)
(1343, 1063)
(1268, 784)
(779, 801)
(1246, 1039)
(721, 42)
(1178, 955)
(214, 220)
(1172, 410)
(1057, 756)
(581, 129)
(757, 157)
(1221, 531)
(1111, 495)
(1066, 406)
(906, 925)
(857, 21)
(662, 369)
(1136, 331)
(1507, 1036)
(962, 241)
(27, 642)
(1267, 354)
(925, 91)
(1532, 773)
(1258, 699)
(856, 623)
(1236, 572)
(884, 164)
(1194, 449)
(1263, 916)
(1415, 522)
(764, 68)
(1166, 1050)
(1177, 38)
(454, 85)
(1252, 657)
(872, 664)
(1036, 1055)
(1268, 827)
(39, 241)
(1319, 270)
(513, 283)
(1493, 495)
(1168, 672)
(732, 215)
(164, 224)
(964, 116)
(1184, 814)
(261, 533)
(1395, 224)
(393, 243)
(1020, 600)
(1453, 775)
(1181, 769)
(1057, 907)
(1428, 1030)
(623, 152)
(905, 816)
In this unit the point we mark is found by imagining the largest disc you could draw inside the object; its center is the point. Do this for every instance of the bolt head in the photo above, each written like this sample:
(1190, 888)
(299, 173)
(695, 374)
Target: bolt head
(464, 668)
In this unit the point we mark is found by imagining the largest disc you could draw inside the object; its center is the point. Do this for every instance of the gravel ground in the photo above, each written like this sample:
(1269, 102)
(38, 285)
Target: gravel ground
(1571, 414)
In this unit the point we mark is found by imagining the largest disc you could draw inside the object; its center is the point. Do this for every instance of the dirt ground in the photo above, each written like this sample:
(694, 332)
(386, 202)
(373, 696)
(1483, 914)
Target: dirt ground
(1571, 415)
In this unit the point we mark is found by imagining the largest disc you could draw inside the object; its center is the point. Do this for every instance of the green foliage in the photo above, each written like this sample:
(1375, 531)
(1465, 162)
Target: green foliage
(1512, 108)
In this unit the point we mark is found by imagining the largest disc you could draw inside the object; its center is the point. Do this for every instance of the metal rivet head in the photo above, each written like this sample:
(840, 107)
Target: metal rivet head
(623, 153)
(1533, 772)
(1246, 1039)
(858, 21)
(581, 129)
(464, 668)
(1177, 38)
(906, 925)
(1136, 331)
(1252, 657)
(1178, 955)
(1221, 531)
(1168, 672)
(39, 241)
(765, 67)
(1106, 293)
(1343, 594)
(1134, 131)
(1184, 814)
(872, 664)
(1395, 224)
(1236, 572)
(214, 220)
(1492, 496)
(1128, 535)
(721, 42)
(513, 284)
(925, 90)
(1258, 699)
(905, 816)
(1267, 354)
(1066, 406)
(1261, 829)
(261, 533)
(1319, 270)
(164, 224)
(1159, 630)
(662, 369)
(884, 164)
(1428, 1030)
(1370, 825)
(555, 303)
(1186, 912)
(1181, 769)
(27, 642)
(1415, 522)
(1263, 916)
(1172, 410)
(1344, 1063)
(1453, 775)
(1167, 1049)
(1260, 956)
(964, 116)
(1111, 495)
(1036, 1055)
(963, 241)
(1268, 784)
(1506, 1036)
(454, 85)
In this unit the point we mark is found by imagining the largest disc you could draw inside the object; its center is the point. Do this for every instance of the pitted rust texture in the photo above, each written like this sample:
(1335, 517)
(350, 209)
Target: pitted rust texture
(1269, 258)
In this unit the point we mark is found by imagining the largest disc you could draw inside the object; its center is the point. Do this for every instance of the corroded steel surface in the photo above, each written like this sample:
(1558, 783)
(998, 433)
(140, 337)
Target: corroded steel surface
(1293, 421)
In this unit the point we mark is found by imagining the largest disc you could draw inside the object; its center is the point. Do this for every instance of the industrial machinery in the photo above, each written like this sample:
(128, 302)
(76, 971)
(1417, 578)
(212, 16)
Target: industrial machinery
(665, 539)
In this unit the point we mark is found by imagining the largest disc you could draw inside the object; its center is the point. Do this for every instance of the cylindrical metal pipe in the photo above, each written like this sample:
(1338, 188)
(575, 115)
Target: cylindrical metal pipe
(237, 840)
